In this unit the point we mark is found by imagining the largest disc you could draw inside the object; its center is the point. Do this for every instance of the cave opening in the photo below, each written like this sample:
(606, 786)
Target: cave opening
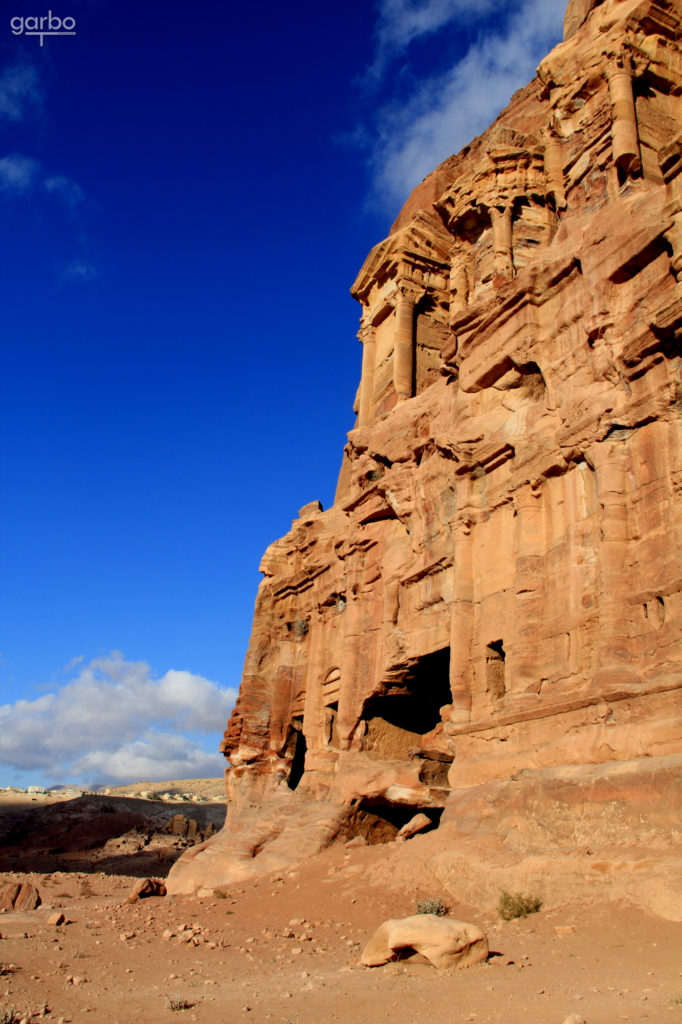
(379, 822)
(413, 705)
(297, 742)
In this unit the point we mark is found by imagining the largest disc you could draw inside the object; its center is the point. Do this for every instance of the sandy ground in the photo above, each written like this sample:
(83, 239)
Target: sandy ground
(286, 949)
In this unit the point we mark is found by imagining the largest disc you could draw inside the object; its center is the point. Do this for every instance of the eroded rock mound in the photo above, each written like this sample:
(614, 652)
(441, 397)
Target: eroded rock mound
(444, 942)
(497, 587)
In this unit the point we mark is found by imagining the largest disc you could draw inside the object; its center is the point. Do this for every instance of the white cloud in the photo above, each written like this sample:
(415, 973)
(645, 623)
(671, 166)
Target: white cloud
(67, 190)
(445, 112)
(114, 720)
(19, 89)
(400, 22)
(18, 173)
(154, 757)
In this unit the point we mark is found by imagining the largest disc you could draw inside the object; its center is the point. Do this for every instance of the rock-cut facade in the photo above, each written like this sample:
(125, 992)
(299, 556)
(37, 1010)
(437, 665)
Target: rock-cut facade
(496, 593)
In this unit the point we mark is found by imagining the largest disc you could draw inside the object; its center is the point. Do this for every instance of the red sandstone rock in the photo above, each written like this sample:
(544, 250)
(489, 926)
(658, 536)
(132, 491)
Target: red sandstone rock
(8, 895)
(420, 823)
(28, 898)
(497, 588)
(445, 943)
(16, 896)
(146, 887)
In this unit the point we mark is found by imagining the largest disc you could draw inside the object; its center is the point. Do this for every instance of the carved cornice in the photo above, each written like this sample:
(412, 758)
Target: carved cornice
(423, 246)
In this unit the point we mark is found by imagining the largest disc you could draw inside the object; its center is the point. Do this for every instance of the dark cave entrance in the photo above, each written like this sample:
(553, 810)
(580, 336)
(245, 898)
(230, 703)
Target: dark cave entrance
(410, 708)
(296, 747)
(379, 822)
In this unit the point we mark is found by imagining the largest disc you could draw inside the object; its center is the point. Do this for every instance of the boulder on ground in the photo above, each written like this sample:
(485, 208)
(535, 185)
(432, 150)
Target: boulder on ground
(419, 823)
(444, 942)
(19, 896)
(146, 887)
(8, 894)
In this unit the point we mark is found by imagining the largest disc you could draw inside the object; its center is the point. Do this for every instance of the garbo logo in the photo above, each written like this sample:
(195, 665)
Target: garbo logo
(44, 25)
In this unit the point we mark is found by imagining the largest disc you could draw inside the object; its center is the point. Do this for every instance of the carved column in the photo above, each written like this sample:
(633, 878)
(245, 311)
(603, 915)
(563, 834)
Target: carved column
(554, 169)
(367, 336)
(615, 578)
(459, 284)
(624, 133)
(530, 596)
(403, 344)
(501, 217)
(462, 623)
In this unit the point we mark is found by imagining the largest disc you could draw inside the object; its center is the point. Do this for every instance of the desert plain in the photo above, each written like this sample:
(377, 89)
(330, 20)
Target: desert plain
(286, 947)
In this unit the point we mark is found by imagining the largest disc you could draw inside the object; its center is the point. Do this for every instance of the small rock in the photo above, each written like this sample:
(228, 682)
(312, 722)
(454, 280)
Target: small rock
(564, 929)
(146, 887)
(419, 823)
(56, 919)
(575, 1018)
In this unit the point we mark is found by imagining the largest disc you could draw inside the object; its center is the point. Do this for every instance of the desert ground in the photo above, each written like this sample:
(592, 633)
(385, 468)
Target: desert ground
(286, 947)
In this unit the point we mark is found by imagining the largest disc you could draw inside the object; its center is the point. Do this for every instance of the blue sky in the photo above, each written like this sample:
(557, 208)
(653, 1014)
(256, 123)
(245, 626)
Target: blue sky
(187, 196)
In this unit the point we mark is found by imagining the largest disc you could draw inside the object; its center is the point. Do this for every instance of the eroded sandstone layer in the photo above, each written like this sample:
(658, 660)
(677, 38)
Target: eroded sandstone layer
(496, 592)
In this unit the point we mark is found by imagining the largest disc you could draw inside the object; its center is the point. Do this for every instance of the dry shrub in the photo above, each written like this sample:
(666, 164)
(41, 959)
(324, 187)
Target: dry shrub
(515, 904)
(431, 906)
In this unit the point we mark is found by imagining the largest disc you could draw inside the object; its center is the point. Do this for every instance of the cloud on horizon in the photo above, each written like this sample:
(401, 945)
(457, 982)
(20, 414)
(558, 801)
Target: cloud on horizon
(445, 111)
(113, 721)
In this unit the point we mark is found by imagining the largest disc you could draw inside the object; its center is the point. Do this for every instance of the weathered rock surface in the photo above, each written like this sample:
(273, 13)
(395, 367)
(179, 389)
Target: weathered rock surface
(146, 887)
(19, 897)
(444, 942)
(495, 594)
(420, 823)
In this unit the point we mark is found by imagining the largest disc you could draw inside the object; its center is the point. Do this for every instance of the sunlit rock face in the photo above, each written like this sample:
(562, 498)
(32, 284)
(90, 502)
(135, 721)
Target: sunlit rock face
(497, 587)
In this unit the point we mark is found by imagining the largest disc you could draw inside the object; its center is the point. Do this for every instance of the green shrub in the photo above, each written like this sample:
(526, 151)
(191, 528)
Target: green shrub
(431, 906)
(515, 904)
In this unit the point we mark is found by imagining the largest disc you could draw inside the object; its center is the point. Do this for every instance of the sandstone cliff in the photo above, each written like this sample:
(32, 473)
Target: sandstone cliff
(496, 593)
